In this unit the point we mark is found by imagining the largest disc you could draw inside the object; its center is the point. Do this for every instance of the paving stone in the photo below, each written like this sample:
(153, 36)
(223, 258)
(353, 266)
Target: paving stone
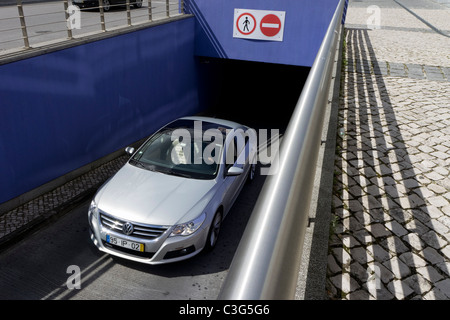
(444, 267)
(379, 254)
(433, 212)
(436, 188)
(342, 257)
(417, 227)
(380, 68)
(444, 287)
(361, 255)
(434, 73)
(394, 245)
(363, 236)
(396, 228)
(412, 260)
(351, 223)
(397, 267)
(349, 241)
(445, 220)
(418, 283)
(429, 273)
(432, 239)
(438, 226)
(446, 71)
(357, 271)
(397, 69)
(402, 215)
(345, 282)
(435, 294)
(431, 255)
(438, 201)
(333, 267)
(446, 251)
(400, 289)
(360, 295)
(378, 230)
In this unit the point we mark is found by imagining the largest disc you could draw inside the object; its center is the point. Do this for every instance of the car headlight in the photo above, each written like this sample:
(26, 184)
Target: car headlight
(93, 209)
(188, 228)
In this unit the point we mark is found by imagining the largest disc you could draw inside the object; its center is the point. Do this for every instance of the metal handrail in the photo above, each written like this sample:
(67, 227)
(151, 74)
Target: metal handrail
(25, 31)
(267, 262)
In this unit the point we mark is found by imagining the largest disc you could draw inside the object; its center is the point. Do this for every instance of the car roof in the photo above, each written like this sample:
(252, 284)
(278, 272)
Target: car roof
(221, 122)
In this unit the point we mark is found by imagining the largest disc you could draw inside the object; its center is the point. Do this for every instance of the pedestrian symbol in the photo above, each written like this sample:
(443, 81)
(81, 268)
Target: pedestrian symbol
(246, 23)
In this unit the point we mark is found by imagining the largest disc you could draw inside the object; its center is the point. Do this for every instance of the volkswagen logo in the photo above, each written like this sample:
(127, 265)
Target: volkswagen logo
(127, 228)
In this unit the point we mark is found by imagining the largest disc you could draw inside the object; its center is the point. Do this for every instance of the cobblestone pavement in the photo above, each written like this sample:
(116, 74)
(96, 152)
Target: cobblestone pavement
(31, 214)
(390, 232)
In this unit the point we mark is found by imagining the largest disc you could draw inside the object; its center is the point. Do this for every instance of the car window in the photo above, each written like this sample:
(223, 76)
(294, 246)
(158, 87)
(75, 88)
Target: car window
(168, 153)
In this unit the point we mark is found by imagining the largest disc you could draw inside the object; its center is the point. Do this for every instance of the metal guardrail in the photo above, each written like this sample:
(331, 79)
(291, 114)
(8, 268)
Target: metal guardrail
(267, 261)
(36, 24)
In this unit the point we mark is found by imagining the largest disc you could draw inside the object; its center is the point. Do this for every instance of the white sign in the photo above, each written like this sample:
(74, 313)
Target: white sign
(258, 24)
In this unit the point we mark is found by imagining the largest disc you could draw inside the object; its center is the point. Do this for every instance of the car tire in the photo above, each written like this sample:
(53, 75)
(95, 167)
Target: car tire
(214, 231)
(138, 4)
(106, 5)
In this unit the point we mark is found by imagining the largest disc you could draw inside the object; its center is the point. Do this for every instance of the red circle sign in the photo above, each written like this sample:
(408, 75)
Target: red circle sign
(270, 25)
(244, 25)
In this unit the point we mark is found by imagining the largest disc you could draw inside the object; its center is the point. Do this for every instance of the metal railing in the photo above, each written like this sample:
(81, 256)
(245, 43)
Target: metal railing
(267, 261)
(37, 24)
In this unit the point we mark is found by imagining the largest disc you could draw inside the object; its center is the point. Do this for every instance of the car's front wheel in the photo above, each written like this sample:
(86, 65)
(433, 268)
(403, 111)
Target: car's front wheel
(106, 5)
(214, 231)
(138, 4)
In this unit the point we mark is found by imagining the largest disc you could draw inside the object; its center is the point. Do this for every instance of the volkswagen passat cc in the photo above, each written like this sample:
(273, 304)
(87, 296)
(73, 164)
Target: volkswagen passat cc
(168, 201)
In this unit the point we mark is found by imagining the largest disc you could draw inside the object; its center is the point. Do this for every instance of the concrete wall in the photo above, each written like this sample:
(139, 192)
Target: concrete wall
(63, 110)
(306, 23)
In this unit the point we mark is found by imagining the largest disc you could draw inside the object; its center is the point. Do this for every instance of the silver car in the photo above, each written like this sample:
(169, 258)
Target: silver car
(168, 201)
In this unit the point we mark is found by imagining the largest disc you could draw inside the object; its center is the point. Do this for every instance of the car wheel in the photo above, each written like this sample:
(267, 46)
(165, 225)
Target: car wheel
(138, 4)
(106, 5)
(214, 231)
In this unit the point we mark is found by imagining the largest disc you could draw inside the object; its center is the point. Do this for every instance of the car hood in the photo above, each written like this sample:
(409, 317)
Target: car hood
(139, 195)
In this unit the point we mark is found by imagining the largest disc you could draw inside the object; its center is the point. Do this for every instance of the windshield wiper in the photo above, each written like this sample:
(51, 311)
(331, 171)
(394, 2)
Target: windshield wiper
(176, 173)
(140, 164)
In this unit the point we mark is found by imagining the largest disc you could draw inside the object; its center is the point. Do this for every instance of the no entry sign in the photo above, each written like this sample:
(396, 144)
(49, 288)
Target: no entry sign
(259, 24)
(270, 25)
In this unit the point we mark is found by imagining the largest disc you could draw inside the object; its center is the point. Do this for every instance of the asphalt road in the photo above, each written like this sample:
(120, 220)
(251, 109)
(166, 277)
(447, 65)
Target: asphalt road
(37, 267)
(13, 2)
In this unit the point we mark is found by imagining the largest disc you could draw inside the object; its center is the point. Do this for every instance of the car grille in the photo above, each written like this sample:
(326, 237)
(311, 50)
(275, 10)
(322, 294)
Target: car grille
(144, 231)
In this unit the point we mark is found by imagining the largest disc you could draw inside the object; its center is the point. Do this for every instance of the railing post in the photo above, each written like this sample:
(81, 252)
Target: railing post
(23, 26)
(167, 8)
(66, 10)
(150, 14)
(182, 6)
(128, 13)
(102, 15)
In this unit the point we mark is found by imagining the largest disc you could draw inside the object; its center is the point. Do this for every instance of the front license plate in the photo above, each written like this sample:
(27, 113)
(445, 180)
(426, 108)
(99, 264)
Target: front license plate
(125, 243)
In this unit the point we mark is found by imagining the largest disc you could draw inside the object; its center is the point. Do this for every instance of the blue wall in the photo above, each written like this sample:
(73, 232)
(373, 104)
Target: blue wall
(305, 26)
(63, 110)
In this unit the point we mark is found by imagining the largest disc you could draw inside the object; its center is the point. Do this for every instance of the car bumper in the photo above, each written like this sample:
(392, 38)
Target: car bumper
(163, 249)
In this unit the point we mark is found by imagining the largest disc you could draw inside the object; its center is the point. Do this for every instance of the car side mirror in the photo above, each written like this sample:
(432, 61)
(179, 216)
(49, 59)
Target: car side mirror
(129, 150)
(235, 171)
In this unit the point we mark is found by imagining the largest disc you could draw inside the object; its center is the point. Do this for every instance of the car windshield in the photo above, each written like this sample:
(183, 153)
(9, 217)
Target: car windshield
(182, 150)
